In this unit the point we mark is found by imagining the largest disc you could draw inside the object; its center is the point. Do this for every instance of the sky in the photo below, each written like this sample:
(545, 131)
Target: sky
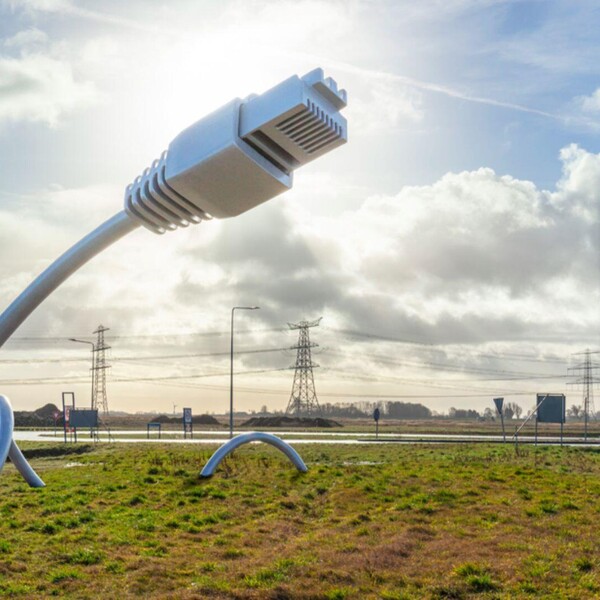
(452, 246)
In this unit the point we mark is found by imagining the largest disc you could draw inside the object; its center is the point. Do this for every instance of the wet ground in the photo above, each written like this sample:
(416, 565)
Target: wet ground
(303, 437)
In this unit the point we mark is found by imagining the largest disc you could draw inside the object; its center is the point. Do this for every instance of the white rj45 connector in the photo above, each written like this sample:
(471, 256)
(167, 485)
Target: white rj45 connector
(240, 155)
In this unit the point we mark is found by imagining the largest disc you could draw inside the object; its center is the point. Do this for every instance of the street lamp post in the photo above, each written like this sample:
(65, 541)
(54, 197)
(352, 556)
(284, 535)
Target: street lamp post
(93, 364)
(231, 366)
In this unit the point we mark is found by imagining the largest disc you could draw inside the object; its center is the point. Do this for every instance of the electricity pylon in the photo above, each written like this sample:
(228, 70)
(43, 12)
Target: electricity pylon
(303, 399)
(99, 396)
(587, 380)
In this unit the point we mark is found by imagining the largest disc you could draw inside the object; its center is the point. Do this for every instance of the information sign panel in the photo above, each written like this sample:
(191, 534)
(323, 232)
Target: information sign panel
(551, 408)
(83, 417)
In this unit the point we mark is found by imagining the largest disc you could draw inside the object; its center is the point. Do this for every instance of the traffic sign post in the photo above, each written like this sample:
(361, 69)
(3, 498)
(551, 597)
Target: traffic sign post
(376, 415)
(188, 425)
(55, 414)
(153, 426)
(499, 402)
(66, 414)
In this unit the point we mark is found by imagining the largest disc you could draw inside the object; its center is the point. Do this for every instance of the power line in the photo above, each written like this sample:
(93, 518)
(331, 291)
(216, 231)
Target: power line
(506, 375)
(373, 336)
(393, 339)
(77, 379)
(374, 377)
(141, 357)
(347, 332)
(279, 392)
(371, 376)
(443, 366)
(148, 335)
(440, 384)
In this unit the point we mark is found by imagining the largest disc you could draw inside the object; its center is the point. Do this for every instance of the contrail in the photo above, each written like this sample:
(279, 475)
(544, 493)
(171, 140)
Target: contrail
(426, 86)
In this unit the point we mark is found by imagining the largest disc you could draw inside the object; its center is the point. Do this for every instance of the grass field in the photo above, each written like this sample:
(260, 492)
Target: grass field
(387, 522)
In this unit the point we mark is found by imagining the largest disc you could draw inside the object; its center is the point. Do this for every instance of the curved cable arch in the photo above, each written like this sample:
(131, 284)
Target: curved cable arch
(245, 438)
(8, 448)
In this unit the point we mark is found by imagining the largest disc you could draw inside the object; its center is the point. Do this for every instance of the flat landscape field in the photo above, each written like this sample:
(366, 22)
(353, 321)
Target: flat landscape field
(367, 521)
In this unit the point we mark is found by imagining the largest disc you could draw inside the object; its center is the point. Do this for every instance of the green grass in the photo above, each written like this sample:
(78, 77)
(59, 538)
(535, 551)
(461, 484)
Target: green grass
(391, 522)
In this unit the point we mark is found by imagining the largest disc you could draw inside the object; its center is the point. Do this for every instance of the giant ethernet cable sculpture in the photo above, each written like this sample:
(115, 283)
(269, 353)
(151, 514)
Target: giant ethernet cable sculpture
(225, 164)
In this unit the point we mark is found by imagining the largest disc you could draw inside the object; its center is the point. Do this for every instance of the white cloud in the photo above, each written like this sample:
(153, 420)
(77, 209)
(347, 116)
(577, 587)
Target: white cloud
(383, 107)
(578, 190)
(468, 252)
(36, 87)
(26, 38)
(591, 103)
(39, 5)
(39, 225)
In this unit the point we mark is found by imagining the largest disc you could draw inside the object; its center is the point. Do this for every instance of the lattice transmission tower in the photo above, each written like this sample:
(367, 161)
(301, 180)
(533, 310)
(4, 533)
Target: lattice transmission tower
(303, 399)
(99, 395)
(586, 379)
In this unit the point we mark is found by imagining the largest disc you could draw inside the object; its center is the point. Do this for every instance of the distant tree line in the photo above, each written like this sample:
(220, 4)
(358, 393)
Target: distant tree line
(410, 410)
(511, 410)
(361, 410)
(345, 410)
(463, 413)
(406, 410)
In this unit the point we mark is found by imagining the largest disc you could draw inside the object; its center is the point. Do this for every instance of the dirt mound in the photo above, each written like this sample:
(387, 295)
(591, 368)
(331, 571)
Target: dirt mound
(42, 417)
(196, 420)
(204, 420)
(163, 419)
(262, 422)
(47, 412)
